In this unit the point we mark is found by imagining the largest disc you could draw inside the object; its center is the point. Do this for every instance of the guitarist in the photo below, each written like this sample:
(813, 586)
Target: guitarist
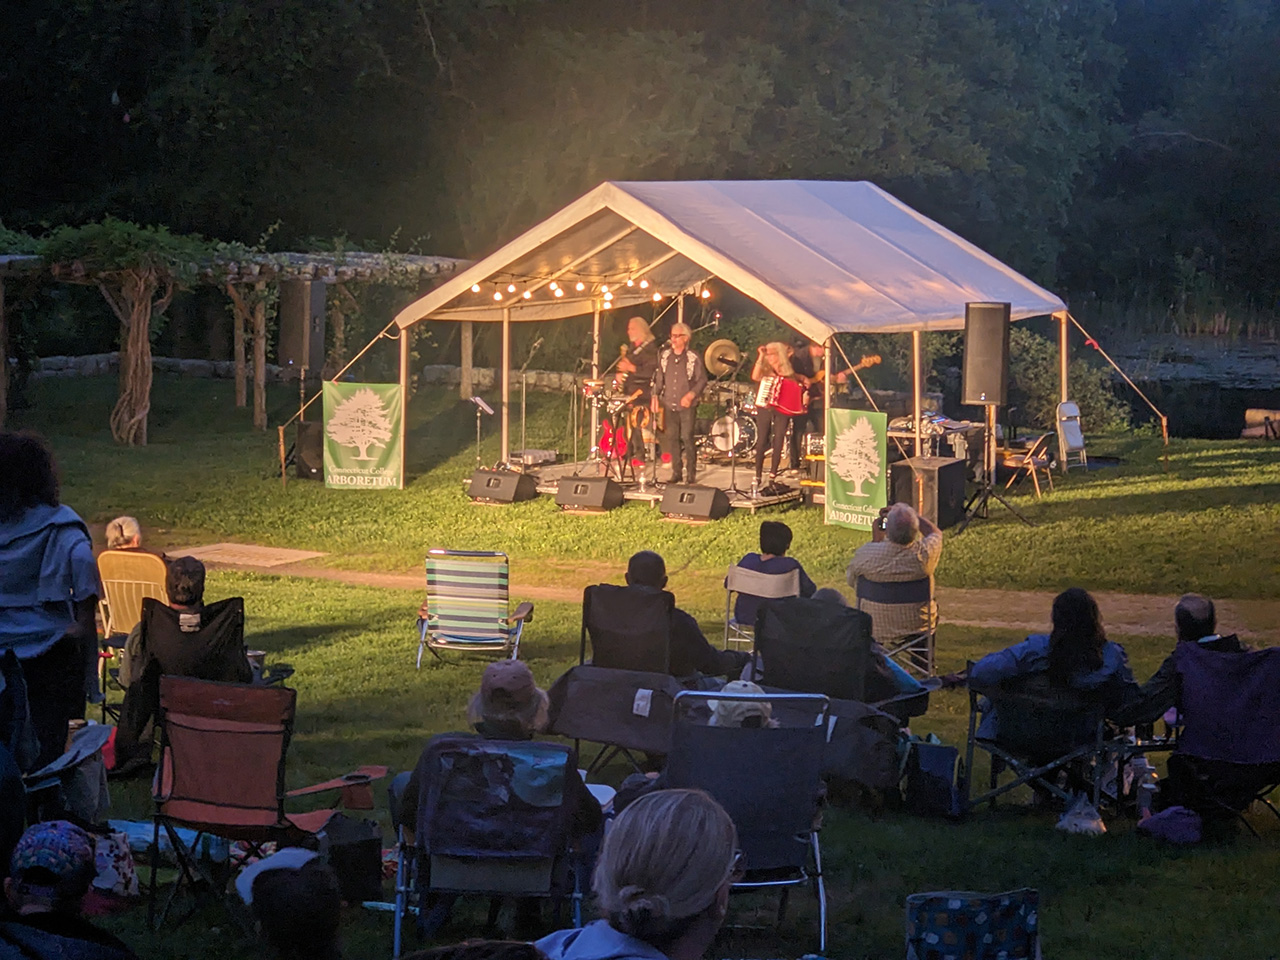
(637, 368)
(773, 360)
(808, 363)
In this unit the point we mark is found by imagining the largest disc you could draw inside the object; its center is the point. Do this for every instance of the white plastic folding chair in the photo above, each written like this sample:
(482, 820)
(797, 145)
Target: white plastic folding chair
(766, 586)
(1070, 437)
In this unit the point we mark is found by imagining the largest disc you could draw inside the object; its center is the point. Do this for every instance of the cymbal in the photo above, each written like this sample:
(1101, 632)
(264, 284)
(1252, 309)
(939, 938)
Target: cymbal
(722, 357)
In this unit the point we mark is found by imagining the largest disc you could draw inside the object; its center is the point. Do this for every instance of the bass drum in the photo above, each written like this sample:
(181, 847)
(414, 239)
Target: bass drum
(733, 434)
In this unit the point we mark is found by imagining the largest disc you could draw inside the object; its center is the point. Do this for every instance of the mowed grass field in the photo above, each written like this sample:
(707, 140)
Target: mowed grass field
(1208, 522)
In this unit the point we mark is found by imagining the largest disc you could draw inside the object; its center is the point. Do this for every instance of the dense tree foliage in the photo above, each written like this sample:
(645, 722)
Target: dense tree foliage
(1123, 149)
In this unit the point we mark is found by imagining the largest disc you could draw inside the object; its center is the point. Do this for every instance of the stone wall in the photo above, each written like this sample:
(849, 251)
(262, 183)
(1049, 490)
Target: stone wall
(105, 364)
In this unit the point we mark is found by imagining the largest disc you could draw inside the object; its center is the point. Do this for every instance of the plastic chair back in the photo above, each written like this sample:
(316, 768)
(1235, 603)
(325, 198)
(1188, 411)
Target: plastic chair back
(629, 627)
(960, 925)
(467, 600)
(128, 577)
(222, 754)
(766, 586)
(1070, 436)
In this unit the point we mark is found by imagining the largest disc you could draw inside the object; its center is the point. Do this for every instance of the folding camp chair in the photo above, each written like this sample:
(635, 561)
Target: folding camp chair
(768, 780)
(1070, 437)
(1228, 749)
(913, 600)
(767, 586)
(494, 822)
(468, 606)
(207, 645)
(629, 627)
(128, 577)
(959, 925)
(1044, 732)
(1029, 463)
(222, 774)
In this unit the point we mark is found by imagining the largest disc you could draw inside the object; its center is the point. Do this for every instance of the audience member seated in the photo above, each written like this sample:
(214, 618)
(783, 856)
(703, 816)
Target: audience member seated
(184, 583)
(1195, 621)
(1076, 655)
(904, 546)
(49, 591)
(480, 950)
(662, 882)
(50, 872)
(775, 540)
(885, 679)
(296, 904)
(690, 653)
(125, 533)
(508, 706)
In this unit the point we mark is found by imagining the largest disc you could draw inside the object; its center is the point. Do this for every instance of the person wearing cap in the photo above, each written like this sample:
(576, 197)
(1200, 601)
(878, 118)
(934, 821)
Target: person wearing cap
(508, 706)
(296, 904)
(50, 872)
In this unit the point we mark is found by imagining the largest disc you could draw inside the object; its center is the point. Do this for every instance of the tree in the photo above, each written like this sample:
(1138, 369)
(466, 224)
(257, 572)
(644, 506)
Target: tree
(855, 457)
(360, 421)
(137, 270)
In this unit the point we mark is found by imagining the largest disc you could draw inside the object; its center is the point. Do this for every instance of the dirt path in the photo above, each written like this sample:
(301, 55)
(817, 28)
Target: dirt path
(1125, 614)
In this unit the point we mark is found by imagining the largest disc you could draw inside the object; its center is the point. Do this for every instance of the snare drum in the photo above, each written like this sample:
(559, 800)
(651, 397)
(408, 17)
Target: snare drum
(592, 389)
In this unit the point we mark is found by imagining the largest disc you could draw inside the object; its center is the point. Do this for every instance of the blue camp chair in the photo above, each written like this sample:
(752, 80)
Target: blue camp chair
(914, 650)
(467, 605)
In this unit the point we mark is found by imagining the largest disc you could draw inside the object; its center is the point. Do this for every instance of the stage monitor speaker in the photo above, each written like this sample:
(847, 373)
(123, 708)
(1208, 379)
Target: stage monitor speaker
(986, 354)
(308, 455)
(940, 492)
(589, 493)
(691, 502)
(502, 486)
(301, 317)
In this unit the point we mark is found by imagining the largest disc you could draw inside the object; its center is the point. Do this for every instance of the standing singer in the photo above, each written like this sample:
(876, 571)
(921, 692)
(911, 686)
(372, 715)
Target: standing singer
(784, 402)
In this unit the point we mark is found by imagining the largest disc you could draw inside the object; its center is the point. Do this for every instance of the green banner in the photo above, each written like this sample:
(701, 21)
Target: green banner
(856, 467)
(362, 436)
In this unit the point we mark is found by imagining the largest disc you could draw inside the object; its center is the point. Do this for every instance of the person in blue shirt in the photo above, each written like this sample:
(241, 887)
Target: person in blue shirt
(775, 541)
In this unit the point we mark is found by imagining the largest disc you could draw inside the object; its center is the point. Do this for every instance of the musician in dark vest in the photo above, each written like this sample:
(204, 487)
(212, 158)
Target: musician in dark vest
(637, 367)
(782, 393)
(678, 382)
(809, 363)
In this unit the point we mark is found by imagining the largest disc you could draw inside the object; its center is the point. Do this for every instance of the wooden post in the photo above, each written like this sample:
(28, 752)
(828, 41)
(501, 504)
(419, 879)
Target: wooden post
(506, 385)
(1063, 358)
(826, 406)
(466, 388)
(283, 473)
(237, 351)
(260, 356)
(917, 388)
(404, 398)
(4, 359)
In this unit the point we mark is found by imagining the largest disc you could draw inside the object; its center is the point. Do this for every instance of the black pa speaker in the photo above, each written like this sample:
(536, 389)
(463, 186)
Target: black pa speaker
(986, 354)
(691, 502)
(308, 455)
(589, 493)
(933, 485)
(301, 317)
(502, 486)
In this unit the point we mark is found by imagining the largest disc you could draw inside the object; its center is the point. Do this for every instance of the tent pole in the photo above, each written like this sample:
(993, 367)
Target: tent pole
(404, 397)
(1063, 357)
(826, 406)
(680, 308)
(595, 375)
(506, 385)
(917, 388)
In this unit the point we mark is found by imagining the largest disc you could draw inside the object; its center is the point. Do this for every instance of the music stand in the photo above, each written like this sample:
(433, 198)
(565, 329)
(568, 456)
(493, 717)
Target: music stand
(979, 503)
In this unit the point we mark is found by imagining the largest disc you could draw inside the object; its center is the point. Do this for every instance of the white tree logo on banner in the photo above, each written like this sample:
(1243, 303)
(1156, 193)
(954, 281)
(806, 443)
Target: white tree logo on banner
(856, 459)
(360, 421)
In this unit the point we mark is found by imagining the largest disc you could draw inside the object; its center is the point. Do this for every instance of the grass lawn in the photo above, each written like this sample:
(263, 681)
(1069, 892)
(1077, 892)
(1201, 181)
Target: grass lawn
(1209, 523)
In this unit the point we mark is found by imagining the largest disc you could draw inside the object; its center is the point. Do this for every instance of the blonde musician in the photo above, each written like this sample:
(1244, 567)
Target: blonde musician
(637, 367)
(781, 406)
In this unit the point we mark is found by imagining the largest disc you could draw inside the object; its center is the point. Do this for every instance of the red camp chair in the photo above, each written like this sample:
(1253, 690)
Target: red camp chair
(222, 774)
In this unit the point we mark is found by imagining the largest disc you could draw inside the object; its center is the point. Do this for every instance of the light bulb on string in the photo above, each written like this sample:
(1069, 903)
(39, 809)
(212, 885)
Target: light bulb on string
(553, 285)
(475, 288)
(706, 294)
(606, 305)
(644, 284)
(497, 294)
(559, 291)
(579, 286)
(511, 288)
(630, 282)
(604, 288)
(656, 296)
(527, 295)
(608, 297)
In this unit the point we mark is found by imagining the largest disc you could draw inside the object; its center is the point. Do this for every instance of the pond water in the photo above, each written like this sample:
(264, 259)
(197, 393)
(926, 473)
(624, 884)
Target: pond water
(1203, 384)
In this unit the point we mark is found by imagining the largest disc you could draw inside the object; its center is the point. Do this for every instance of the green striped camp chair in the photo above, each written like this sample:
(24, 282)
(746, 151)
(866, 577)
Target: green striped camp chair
(467, 606)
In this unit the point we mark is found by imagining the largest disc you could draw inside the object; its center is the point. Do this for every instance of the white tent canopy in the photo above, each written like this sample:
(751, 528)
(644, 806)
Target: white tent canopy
(824, 257)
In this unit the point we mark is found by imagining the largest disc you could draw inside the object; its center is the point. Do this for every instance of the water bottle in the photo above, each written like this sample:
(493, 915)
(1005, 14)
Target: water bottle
(755, 487)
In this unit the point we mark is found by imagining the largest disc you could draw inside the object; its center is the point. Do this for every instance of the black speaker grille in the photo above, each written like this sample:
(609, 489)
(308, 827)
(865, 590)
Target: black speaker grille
(986, 354)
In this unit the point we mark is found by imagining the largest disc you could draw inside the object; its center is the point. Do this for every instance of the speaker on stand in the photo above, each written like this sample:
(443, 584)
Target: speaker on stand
(986, 383)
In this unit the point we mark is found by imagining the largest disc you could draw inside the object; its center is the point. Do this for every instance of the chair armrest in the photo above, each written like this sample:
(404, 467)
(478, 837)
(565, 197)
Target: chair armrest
(523, 612)
(356, 787)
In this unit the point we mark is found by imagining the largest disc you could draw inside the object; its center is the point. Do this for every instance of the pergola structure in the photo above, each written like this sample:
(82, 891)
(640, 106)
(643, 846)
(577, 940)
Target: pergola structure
(825, 257)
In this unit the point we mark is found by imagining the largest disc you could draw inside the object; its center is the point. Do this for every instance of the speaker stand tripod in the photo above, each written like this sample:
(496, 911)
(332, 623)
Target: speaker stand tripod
(979, 504)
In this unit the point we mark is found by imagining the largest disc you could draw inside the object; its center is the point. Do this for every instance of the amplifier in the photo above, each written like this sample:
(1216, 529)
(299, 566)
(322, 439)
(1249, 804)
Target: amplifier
(937, 494)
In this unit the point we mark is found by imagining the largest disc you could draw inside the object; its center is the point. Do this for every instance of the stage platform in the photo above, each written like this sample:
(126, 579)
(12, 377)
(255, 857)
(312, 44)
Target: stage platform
(548, 478)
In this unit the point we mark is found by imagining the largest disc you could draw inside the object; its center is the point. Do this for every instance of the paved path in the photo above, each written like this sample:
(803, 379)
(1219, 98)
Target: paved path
(1125, 614)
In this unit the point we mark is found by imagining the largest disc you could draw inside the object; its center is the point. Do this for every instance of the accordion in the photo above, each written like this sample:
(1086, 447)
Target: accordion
(782, 394)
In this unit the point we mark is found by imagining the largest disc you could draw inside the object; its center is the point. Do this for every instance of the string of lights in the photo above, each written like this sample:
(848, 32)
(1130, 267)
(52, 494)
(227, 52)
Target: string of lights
(518, 287)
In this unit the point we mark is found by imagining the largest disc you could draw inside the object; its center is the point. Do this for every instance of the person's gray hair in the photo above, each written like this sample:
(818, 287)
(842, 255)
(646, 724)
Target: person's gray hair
(902, 525)
(529, 717)
(662, 863)
(830, 595)
(680, 328)
(121, 531)
(1194, 617)
(644, 325)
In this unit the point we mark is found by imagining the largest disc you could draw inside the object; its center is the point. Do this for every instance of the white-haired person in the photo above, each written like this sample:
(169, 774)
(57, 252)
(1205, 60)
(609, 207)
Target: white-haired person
(904, 546)
(125, 533)
(678, 382)
(662, 882)
(773, 360)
